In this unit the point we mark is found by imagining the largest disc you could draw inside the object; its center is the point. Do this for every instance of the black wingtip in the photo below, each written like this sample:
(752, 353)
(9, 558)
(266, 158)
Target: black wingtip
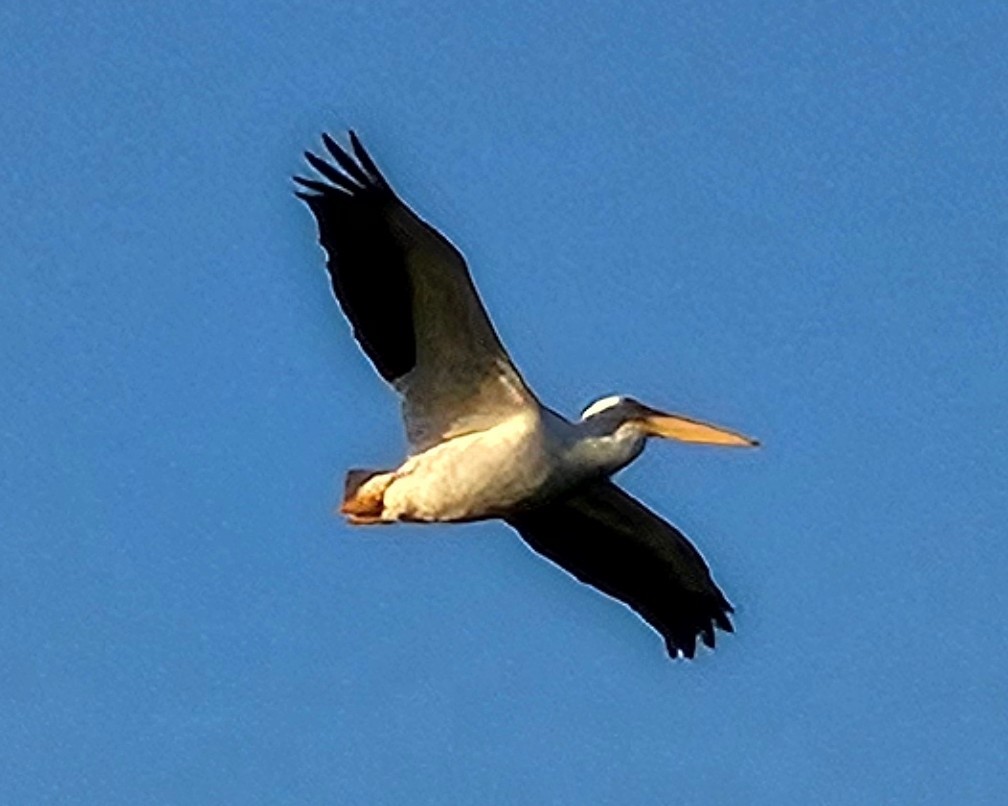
(346, 162)
(324, 168)
(682, 642)
(355, 173)
(365, 159)
(331, 144)
(312, 184)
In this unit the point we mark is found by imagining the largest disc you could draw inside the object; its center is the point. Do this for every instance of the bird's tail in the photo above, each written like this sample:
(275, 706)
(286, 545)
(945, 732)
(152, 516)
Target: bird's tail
(364, 495)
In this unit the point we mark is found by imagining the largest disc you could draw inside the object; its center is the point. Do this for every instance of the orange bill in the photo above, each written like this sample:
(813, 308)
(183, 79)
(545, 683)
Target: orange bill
(685, 429)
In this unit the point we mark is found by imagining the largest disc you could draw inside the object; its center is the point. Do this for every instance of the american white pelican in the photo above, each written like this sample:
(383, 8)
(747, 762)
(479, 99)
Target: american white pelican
(481, 444)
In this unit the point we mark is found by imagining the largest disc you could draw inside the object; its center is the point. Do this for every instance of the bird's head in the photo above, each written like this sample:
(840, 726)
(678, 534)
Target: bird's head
(616, 415)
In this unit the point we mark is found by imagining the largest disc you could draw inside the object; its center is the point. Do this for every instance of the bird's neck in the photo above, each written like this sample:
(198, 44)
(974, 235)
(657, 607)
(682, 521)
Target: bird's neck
(607, 450)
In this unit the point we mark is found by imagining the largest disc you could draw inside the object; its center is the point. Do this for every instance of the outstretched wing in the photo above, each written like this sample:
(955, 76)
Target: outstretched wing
(612, 542)
(412, 304)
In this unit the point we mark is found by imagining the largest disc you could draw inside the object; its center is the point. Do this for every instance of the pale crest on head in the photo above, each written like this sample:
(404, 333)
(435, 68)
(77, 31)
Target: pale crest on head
(601, 405)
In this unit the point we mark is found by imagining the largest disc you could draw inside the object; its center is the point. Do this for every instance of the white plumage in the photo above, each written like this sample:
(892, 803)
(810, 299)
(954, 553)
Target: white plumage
(481, 444)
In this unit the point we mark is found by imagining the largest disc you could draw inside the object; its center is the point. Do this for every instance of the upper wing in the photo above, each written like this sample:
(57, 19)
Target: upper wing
(407, 292)
(611, 541)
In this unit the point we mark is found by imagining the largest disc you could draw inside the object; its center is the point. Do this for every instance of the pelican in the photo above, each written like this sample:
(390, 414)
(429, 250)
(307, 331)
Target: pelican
(481, 445)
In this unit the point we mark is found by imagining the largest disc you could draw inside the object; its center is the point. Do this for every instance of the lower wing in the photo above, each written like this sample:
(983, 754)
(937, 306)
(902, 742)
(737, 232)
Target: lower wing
(611, 541)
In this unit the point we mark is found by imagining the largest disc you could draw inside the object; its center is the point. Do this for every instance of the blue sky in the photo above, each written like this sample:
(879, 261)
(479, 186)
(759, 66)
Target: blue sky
(788, 219)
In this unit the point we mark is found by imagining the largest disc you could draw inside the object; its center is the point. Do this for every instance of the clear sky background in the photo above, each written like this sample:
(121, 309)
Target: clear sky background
(787, 218)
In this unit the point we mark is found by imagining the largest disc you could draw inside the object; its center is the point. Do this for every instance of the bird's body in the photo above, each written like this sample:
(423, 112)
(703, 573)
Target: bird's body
(481, 444)
(464, 479)
(528, 458)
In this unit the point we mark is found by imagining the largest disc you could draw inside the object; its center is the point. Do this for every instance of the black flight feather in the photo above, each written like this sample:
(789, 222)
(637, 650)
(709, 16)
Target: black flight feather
(367, 263)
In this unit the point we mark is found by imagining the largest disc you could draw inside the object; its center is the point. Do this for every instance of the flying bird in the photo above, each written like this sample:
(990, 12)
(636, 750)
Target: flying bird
(482, 446)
